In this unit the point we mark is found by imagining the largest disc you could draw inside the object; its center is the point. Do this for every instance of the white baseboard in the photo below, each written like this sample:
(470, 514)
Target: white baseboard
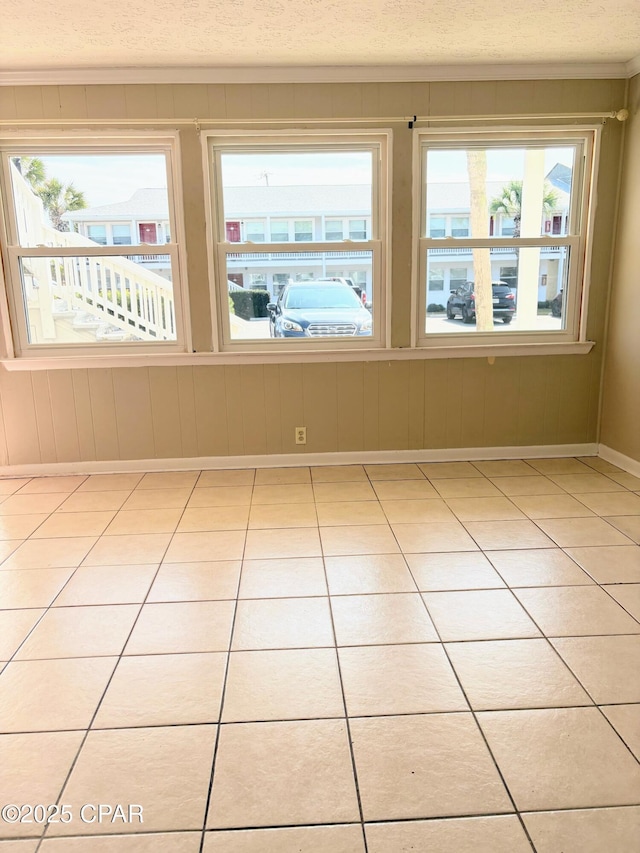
(619, 459)
(287, 460)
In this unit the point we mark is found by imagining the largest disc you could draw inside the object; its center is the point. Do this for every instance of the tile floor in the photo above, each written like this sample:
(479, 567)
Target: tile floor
(441, 657)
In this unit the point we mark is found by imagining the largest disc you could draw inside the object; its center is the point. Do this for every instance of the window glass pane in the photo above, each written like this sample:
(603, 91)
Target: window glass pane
(357, 229)
(122, 235)
(526, 290)
(60, 199)
(457, 276)
(254, 232)
(85, 300)
(300, 188)
(525, 187)
(305, 306)
(333, 229)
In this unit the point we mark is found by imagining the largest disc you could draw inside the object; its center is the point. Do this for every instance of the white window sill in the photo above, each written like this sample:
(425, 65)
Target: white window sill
(298, 357)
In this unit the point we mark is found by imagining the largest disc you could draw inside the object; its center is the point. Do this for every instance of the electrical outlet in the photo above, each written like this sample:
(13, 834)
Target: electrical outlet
(301, 435)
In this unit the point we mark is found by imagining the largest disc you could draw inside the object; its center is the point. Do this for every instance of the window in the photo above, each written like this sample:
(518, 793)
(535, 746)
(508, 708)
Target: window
(279, 231)
(71, 288)
(517, 267)
(254, 232)
(317, 181)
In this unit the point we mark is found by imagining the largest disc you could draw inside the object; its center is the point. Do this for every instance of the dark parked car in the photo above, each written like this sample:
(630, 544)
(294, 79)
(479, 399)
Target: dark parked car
(314, 309)
(462, 302)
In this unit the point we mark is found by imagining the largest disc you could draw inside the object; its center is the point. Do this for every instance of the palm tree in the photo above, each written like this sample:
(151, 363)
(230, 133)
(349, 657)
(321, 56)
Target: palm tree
(58, 198)
(509, 202)
(32, 170)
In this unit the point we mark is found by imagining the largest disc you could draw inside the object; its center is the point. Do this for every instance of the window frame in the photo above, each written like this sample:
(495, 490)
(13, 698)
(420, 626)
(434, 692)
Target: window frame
(579, 242)
(16, 343)
(379, 141)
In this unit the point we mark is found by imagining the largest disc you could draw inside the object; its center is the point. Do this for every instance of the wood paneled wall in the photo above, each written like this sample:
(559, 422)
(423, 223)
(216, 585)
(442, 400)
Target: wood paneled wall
(138, 413)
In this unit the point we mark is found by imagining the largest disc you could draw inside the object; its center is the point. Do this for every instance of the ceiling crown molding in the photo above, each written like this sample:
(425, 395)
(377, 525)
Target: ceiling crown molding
(319, 74)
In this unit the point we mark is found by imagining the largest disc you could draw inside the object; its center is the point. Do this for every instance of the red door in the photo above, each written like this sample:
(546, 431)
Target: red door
(233, 232)
(148, 232)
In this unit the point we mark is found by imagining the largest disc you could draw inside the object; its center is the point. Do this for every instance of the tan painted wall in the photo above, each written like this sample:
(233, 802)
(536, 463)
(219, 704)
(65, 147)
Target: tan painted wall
(621, 397)
(129, 413)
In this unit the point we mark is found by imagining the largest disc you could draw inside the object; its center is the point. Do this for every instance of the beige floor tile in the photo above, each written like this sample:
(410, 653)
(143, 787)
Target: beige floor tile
(484, 509)
(431, 537)
(31, 587)
(287, 684)
(515, 486)
(337, 473)
(340, 513)
(7, 548)
(220, 496)
(552, 506)
(606, 666)
(230, 477)
(599, 464)
(20, 526)
(308, 766)
(400, 471)
(311, 839)
(368, 573)
(414, 511)
(348, 491)
(144, 521)
(501, 834)
(203, 519)
(196, 581)
(157, 499)
(609, 563)
(585, 831)
(52, 695)
(612, 503)
(67, 632)
(358, 539)
(506, 535)
(19, 846)
(48, 485)
(94, 501)
(401, 490)
(425, 766)
(465, 570)
(162, 690)
(282, 623)
(538, 567)
(626, 721)
(31, 504)
(287, 494)
(561, 758)
(510, 674)
(10, 485)
(279, 516)
(202, 547)
(143, 548)
(34, 767)
(467, 487)
(282, 476)
(14, 627)
(505, 468)
(193, 626)
(175, 842)
(629, 481)
(271, 544)
(409, 679)
(169, 480)
(559, 466)
(286, 578)
(448, 470)
(582, 484)
(362, 620)
(627, 524)
(574, 611)
(110, 482)
(107, 585)
(166, 770)
(628, 595)
(487, 614)
(50, 553)
(69, 524)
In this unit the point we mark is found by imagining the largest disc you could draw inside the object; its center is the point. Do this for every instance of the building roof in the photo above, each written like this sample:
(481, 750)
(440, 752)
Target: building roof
(147, 203)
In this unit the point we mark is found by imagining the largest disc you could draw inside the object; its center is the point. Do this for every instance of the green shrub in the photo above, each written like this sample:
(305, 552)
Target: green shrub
(435, 308)
(248, 304)
(544, 304)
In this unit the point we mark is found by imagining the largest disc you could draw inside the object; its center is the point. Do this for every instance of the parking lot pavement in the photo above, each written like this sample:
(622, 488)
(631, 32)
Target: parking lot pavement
(438, 324)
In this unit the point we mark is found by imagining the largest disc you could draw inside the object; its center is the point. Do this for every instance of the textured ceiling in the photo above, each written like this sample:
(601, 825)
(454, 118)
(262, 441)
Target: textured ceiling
(119, 33)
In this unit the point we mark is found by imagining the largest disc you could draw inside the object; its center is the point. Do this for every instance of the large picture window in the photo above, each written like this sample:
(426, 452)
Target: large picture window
(490, 208)
(320, 192)
(70, 207)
